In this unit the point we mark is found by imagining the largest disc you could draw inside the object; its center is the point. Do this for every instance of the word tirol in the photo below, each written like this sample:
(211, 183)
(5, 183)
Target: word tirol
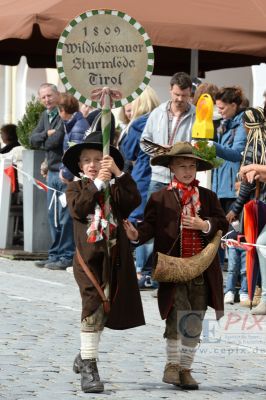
(102, 80)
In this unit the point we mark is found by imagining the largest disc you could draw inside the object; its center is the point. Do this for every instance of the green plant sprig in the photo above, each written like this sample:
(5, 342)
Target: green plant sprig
(29, 122)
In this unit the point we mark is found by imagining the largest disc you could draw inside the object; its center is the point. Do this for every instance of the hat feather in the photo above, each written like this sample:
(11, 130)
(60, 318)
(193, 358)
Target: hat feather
(154, 149)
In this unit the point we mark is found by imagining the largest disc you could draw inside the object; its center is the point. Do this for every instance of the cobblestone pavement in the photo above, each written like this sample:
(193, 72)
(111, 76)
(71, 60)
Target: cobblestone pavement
(39, 338)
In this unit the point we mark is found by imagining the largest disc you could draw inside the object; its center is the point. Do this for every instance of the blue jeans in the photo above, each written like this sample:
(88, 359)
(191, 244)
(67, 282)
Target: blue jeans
(226, 206)
(262, 260)
(155, 187)
(236, 267)
(144, 252)
(60, 222)
(142, 255)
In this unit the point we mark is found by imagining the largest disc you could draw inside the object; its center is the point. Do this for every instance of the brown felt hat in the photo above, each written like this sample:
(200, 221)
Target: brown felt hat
(181, 149)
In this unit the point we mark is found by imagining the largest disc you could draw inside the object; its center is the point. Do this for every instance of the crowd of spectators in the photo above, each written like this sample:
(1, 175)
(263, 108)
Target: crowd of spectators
(66, 122)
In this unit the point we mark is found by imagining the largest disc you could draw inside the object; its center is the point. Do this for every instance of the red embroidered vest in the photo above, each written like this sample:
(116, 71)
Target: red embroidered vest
(191, 243)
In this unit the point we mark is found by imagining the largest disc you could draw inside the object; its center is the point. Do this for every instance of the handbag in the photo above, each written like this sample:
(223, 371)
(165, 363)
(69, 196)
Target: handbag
(177, 269)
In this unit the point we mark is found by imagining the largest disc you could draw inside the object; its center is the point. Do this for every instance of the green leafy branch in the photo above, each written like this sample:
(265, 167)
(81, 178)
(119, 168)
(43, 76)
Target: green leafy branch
(204, 150)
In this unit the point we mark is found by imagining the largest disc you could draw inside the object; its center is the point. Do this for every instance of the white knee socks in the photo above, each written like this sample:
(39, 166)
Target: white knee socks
(187, 356)
(89, 344)
(173, 351)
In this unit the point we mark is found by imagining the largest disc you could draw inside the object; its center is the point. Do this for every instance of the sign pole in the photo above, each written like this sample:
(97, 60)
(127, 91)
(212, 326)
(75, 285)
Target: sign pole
(106, 129)
(105, 59)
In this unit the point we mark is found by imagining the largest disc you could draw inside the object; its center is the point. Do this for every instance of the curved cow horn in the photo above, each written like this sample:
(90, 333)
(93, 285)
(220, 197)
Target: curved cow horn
(177, 269)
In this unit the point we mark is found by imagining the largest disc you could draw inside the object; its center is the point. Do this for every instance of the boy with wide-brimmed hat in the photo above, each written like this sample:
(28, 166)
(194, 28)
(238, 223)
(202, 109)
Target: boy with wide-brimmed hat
(103, 266)
(183, 218)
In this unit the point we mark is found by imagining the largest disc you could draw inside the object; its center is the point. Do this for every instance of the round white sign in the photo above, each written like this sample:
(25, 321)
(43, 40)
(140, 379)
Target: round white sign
(104, 48)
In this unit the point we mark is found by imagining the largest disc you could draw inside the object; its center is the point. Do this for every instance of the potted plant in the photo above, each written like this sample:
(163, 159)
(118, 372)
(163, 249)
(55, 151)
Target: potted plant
(29, 121)
(36, 229)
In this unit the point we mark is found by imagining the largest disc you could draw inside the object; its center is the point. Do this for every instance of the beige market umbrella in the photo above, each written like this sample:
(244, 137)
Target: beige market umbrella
(227, 34)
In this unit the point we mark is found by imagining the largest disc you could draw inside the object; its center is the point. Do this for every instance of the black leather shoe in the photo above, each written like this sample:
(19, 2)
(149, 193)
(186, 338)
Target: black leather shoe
(59, 265)
(90, 380)
(77, 364)
(43, 263)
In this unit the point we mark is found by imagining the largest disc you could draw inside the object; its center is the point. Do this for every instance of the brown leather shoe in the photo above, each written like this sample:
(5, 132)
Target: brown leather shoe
(171, 374)
(187, 382)
(255, 301)
(257, 297)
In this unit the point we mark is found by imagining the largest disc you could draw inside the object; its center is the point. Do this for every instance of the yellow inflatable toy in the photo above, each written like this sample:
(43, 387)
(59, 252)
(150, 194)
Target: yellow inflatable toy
(203, 126)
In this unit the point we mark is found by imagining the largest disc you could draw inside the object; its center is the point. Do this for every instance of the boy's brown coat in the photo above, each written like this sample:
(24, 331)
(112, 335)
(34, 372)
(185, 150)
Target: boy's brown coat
(126, 307)
(162, 221)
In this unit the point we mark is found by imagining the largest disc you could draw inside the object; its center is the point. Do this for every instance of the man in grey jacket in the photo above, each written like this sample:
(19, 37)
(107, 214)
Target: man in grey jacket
(49, 135)
(169, 123)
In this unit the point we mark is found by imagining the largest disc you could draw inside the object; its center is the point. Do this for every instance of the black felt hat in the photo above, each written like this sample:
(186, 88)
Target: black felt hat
(94, 141)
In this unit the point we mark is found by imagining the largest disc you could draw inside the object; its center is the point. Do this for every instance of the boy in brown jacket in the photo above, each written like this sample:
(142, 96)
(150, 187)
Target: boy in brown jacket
(183, 217)
(109, 264)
